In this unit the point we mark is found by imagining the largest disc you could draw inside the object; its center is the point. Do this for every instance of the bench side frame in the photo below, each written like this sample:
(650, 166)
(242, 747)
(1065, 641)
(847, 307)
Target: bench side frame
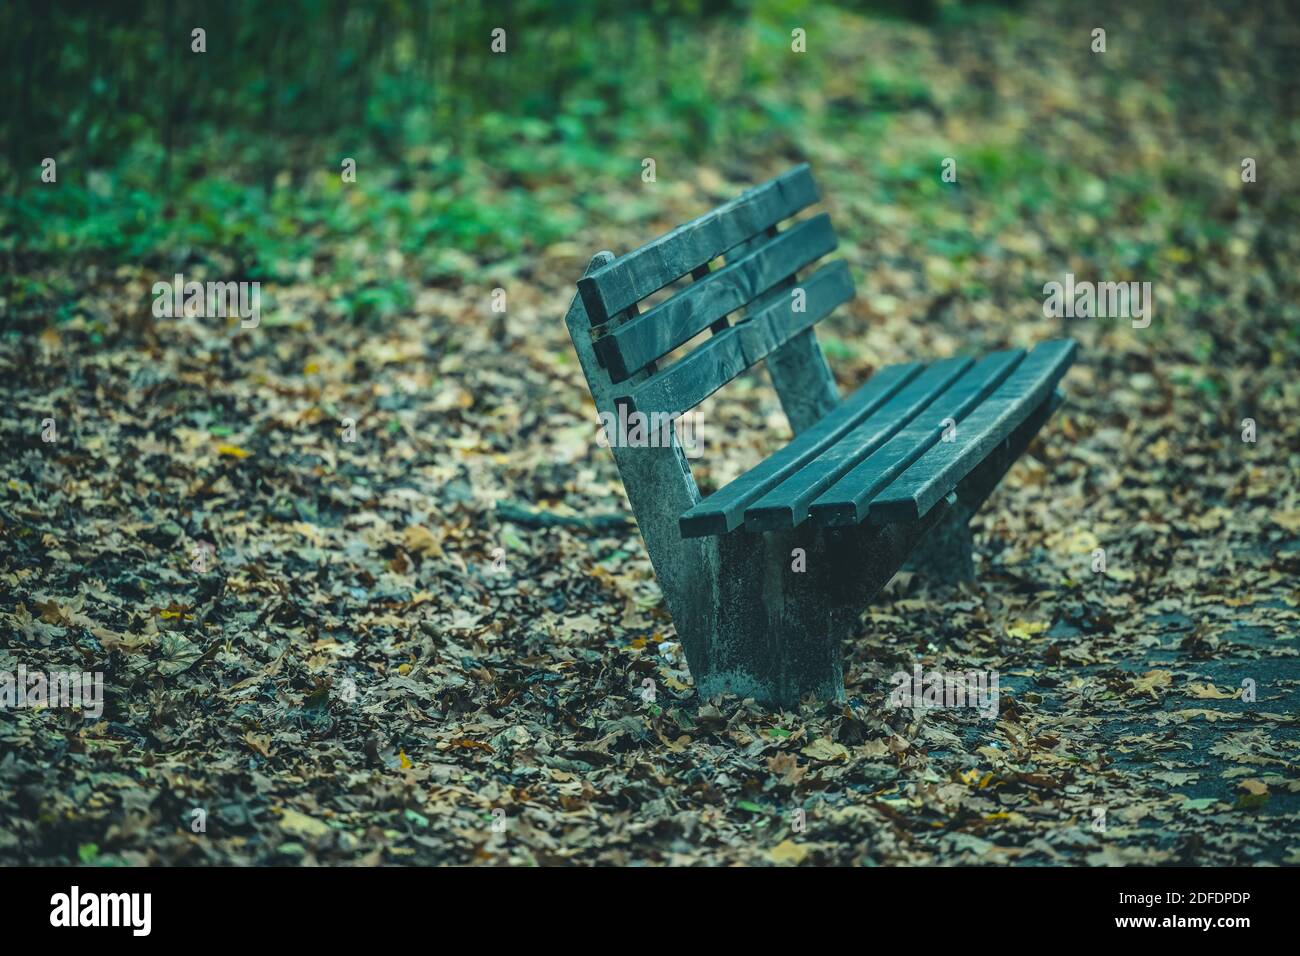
(749, 622)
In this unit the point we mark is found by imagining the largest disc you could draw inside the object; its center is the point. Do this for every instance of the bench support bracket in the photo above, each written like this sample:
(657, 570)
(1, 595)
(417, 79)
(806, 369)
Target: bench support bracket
(946, 554)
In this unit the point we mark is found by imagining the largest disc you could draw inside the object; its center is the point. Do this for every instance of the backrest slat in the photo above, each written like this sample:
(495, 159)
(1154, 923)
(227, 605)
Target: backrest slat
(798, 369)
(685, 384)
(744, 260)
(630, 278)
(653, 334)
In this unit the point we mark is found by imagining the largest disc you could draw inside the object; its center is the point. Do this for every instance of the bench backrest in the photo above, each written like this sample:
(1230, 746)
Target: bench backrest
(758, 277)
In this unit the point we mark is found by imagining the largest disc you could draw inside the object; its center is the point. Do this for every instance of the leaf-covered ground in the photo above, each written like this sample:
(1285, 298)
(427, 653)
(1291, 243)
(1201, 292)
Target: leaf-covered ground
(354, 679)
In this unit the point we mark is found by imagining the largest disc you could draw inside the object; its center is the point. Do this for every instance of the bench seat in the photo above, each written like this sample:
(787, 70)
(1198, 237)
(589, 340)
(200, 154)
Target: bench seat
(881, 455)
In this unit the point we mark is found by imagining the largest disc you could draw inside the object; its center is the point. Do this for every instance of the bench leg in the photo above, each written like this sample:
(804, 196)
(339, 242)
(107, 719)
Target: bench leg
(775, 635)
(946, 553)
(777, 632)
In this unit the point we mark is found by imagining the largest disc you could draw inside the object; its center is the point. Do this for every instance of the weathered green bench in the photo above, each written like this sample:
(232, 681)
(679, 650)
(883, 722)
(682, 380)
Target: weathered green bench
(894, 470)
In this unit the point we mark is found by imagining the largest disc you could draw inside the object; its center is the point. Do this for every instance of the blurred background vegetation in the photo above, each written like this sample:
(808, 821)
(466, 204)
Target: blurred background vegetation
(468, 160)
(240, 147)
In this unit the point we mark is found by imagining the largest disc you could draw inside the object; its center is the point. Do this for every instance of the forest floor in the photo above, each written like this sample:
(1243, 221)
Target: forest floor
(355, 673)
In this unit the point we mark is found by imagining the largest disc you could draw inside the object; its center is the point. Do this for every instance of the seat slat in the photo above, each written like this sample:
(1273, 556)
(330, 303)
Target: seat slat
(686, 383)
(631, 277)
(656, 332)
(845, 502)
(724, 510)
(786, 505)
(937, 472)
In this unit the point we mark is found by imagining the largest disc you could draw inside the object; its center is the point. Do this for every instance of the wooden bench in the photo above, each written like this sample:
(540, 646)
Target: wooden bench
(894, 470)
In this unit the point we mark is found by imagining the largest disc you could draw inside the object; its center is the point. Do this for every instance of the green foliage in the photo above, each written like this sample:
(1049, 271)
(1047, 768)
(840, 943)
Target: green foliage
(466, 159)
(166, 152)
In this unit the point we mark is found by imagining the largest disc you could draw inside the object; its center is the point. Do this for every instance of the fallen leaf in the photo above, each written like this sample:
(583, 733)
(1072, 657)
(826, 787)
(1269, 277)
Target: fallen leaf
(823, 748)
(261, 743)
(1024, 630)
(1151, 681)
(301, 825)
(417, 539)
(1287, 520)
(1208, 691)
(787, 851)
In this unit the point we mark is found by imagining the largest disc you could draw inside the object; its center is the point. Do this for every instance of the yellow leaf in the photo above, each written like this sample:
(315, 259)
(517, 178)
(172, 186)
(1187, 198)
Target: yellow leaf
(260, 743)
(1208, 691)
(1013, 818)
(1149, 682)
(787, 851)
(973, 778)
(879, 747)
(1024, 630)
(823, 748)
(233, 451)
(1193, 713)
(1256, 794)
(299, 824)
(417, 539)
(1074, 540)
(469, 744)
(1287, 520)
